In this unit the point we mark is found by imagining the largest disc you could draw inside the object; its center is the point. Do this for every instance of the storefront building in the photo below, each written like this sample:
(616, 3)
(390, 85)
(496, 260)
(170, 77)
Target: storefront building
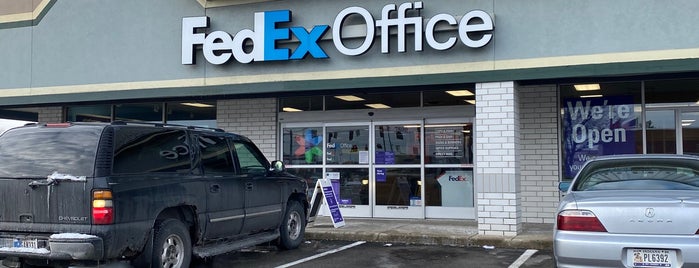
(438, 109)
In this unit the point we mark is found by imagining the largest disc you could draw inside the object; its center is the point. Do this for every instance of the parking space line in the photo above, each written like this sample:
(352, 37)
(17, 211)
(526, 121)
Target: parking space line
(322, 254)
(523, 258)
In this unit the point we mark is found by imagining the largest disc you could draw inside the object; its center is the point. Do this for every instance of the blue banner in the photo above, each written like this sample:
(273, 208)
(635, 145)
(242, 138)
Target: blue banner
(597, 126)
(333, 206)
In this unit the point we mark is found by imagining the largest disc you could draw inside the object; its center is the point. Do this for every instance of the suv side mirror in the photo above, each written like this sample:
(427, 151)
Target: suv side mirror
(277, 166)
(564, 185)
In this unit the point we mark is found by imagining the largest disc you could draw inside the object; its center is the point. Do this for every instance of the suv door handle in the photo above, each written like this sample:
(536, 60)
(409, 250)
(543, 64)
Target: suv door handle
(248, 186)
(214, 188)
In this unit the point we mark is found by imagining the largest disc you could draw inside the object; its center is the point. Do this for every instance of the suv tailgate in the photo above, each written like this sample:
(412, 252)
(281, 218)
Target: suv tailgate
(41, 201)
(45, 177)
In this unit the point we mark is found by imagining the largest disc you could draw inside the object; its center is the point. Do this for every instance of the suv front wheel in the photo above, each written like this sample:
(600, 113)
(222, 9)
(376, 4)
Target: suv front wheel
(293, 226)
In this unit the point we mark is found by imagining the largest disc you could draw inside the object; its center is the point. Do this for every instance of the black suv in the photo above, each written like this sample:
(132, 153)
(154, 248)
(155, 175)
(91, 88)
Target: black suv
(155, 195)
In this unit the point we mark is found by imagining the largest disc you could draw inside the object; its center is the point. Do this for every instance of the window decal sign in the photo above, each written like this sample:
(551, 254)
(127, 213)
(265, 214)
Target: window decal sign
(474, 30)
(595, 127)
(308, 145)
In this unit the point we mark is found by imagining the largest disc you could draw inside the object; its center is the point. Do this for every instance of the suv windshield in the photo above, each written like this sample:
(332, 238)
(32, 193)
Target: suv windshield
(39, 152)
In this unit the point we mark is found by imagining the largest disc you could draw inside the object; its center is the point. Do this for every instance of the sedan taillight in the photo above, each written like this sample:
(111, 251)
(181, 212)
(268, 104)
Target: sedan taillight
(579, 220)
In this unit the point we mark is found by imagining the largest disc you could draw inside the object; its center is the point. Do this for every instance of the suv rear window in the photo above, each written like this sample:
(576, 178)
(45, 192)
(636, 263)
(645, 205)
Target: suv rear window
(39, 152)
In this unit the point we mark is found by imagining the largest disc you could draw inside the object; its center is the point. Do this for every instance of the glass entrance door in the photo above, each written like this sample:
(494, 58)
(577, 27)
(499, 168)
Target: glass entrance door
(347, 167)
(397, 170)
(388, 169)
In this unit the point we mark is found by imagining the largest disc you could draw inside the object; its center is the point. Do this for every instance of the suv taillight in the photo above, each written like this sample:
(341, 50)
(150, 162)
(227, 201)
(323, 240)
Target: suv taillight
(102, 207)
(579, 220)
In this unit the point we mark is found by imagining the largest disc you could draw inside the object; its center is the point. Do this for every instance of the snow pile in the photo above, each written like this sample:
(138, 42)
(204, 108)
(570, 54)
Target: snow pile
(72, 236)
(64, 177)
(25, 250)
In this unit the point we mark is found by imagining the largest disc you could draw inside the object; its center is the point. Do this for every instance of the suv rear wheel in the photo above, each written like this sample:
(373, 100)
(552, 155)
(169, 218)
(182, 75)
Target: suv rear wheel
(293, 226)
(172, 246)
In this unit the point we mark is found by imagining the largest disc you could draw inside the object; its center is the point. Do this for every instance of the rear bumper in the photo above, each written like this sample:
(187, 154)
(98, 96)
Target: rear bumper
(65, 248)
(592, 249)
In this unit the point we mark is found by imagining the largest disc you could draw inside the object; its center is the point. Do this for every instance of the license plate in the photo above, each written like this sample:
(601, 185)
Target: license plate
(31, 243)
(643, 258)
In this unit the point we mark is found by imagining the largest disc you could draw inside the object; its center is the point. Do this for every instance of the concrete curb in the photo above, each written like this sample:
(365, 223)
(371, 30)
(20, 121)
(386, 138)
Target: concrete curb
(525, 241)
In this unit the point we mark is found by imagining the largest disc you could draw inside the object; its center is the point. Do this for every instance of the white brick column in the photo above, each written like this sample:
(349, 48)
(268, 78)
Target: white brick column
(539, 155)
(497, 159)
(50, 114)
(253, 118)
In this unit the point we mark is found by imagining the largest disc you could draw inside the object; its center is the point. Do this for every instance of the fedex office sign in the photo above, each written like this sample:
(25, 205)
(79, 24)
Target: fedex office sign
(474, 30)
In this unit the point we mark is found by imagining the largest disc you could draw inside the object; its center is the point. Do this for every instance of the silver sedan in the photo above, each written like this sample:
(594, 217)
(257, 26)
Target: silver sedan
(630, 211)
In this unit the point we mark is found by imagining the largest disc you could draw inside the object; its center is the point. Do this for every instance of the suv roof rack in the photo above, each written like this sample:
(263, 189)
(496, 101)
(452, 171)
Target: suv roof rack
(124, 123)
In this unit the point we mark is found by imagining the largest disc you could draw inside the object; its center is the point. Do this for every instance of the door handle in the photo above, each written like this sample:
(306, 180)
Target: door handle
(214, 188)
(248, 186)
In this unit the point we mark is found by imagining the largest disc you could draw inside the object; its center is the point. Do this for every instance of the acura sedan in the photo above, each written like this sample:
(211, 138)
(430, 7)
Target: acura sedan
(630, 211)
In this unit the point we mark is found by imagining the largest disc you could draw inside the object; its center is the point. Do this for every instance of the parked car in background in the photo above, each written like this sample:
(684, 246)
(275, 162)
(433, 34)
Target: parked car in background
(155, 195)
(630, 211)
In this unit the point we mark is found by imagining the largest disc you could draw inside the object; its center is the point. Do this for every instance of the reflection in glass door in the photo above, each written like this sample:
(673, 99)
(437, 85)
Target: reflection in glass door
(690, 133)
(397, 170)
(347, 167)
(661, 136)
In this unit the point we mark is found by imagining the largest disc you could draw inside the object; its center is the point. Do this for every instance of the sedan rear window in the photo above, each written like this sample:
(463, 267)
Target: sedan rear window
(645, 177)
(39, 152)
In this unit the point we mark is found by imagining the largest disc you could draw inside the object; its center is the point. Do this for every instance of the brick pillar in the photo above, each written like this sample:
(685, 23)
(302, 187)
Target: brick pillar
(50, 114)
(539, 155)
(253, 118)
(497, 159)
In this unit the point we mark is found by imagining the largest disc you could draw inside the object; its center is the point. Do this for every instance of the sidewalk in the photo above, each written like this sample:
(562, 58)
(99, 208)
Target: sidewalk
(463, 233)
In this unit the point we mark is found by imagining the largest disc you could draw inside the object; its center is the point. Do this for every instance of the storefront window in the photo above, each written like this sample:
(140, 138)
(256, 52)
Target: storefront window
(303, 146)
(347, 145)
(672, 107)
(311, 175)
(397, 144)
(372, 101)
(301, 104)
(398, 187)
(449, 187)
(671, 93)
(448, 144)
(351, 185)
(189, 113)
(200, 113)
(449, 95)
(143, 112)
(690, 133)
(89, 113)
(599, 119)
(460, 96)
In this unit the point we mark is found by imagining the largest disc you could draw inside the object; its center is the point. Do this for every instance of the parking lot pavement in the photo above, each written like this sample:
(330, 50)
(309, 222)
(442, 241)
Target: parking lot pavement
(317, 253)
(462, 233)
